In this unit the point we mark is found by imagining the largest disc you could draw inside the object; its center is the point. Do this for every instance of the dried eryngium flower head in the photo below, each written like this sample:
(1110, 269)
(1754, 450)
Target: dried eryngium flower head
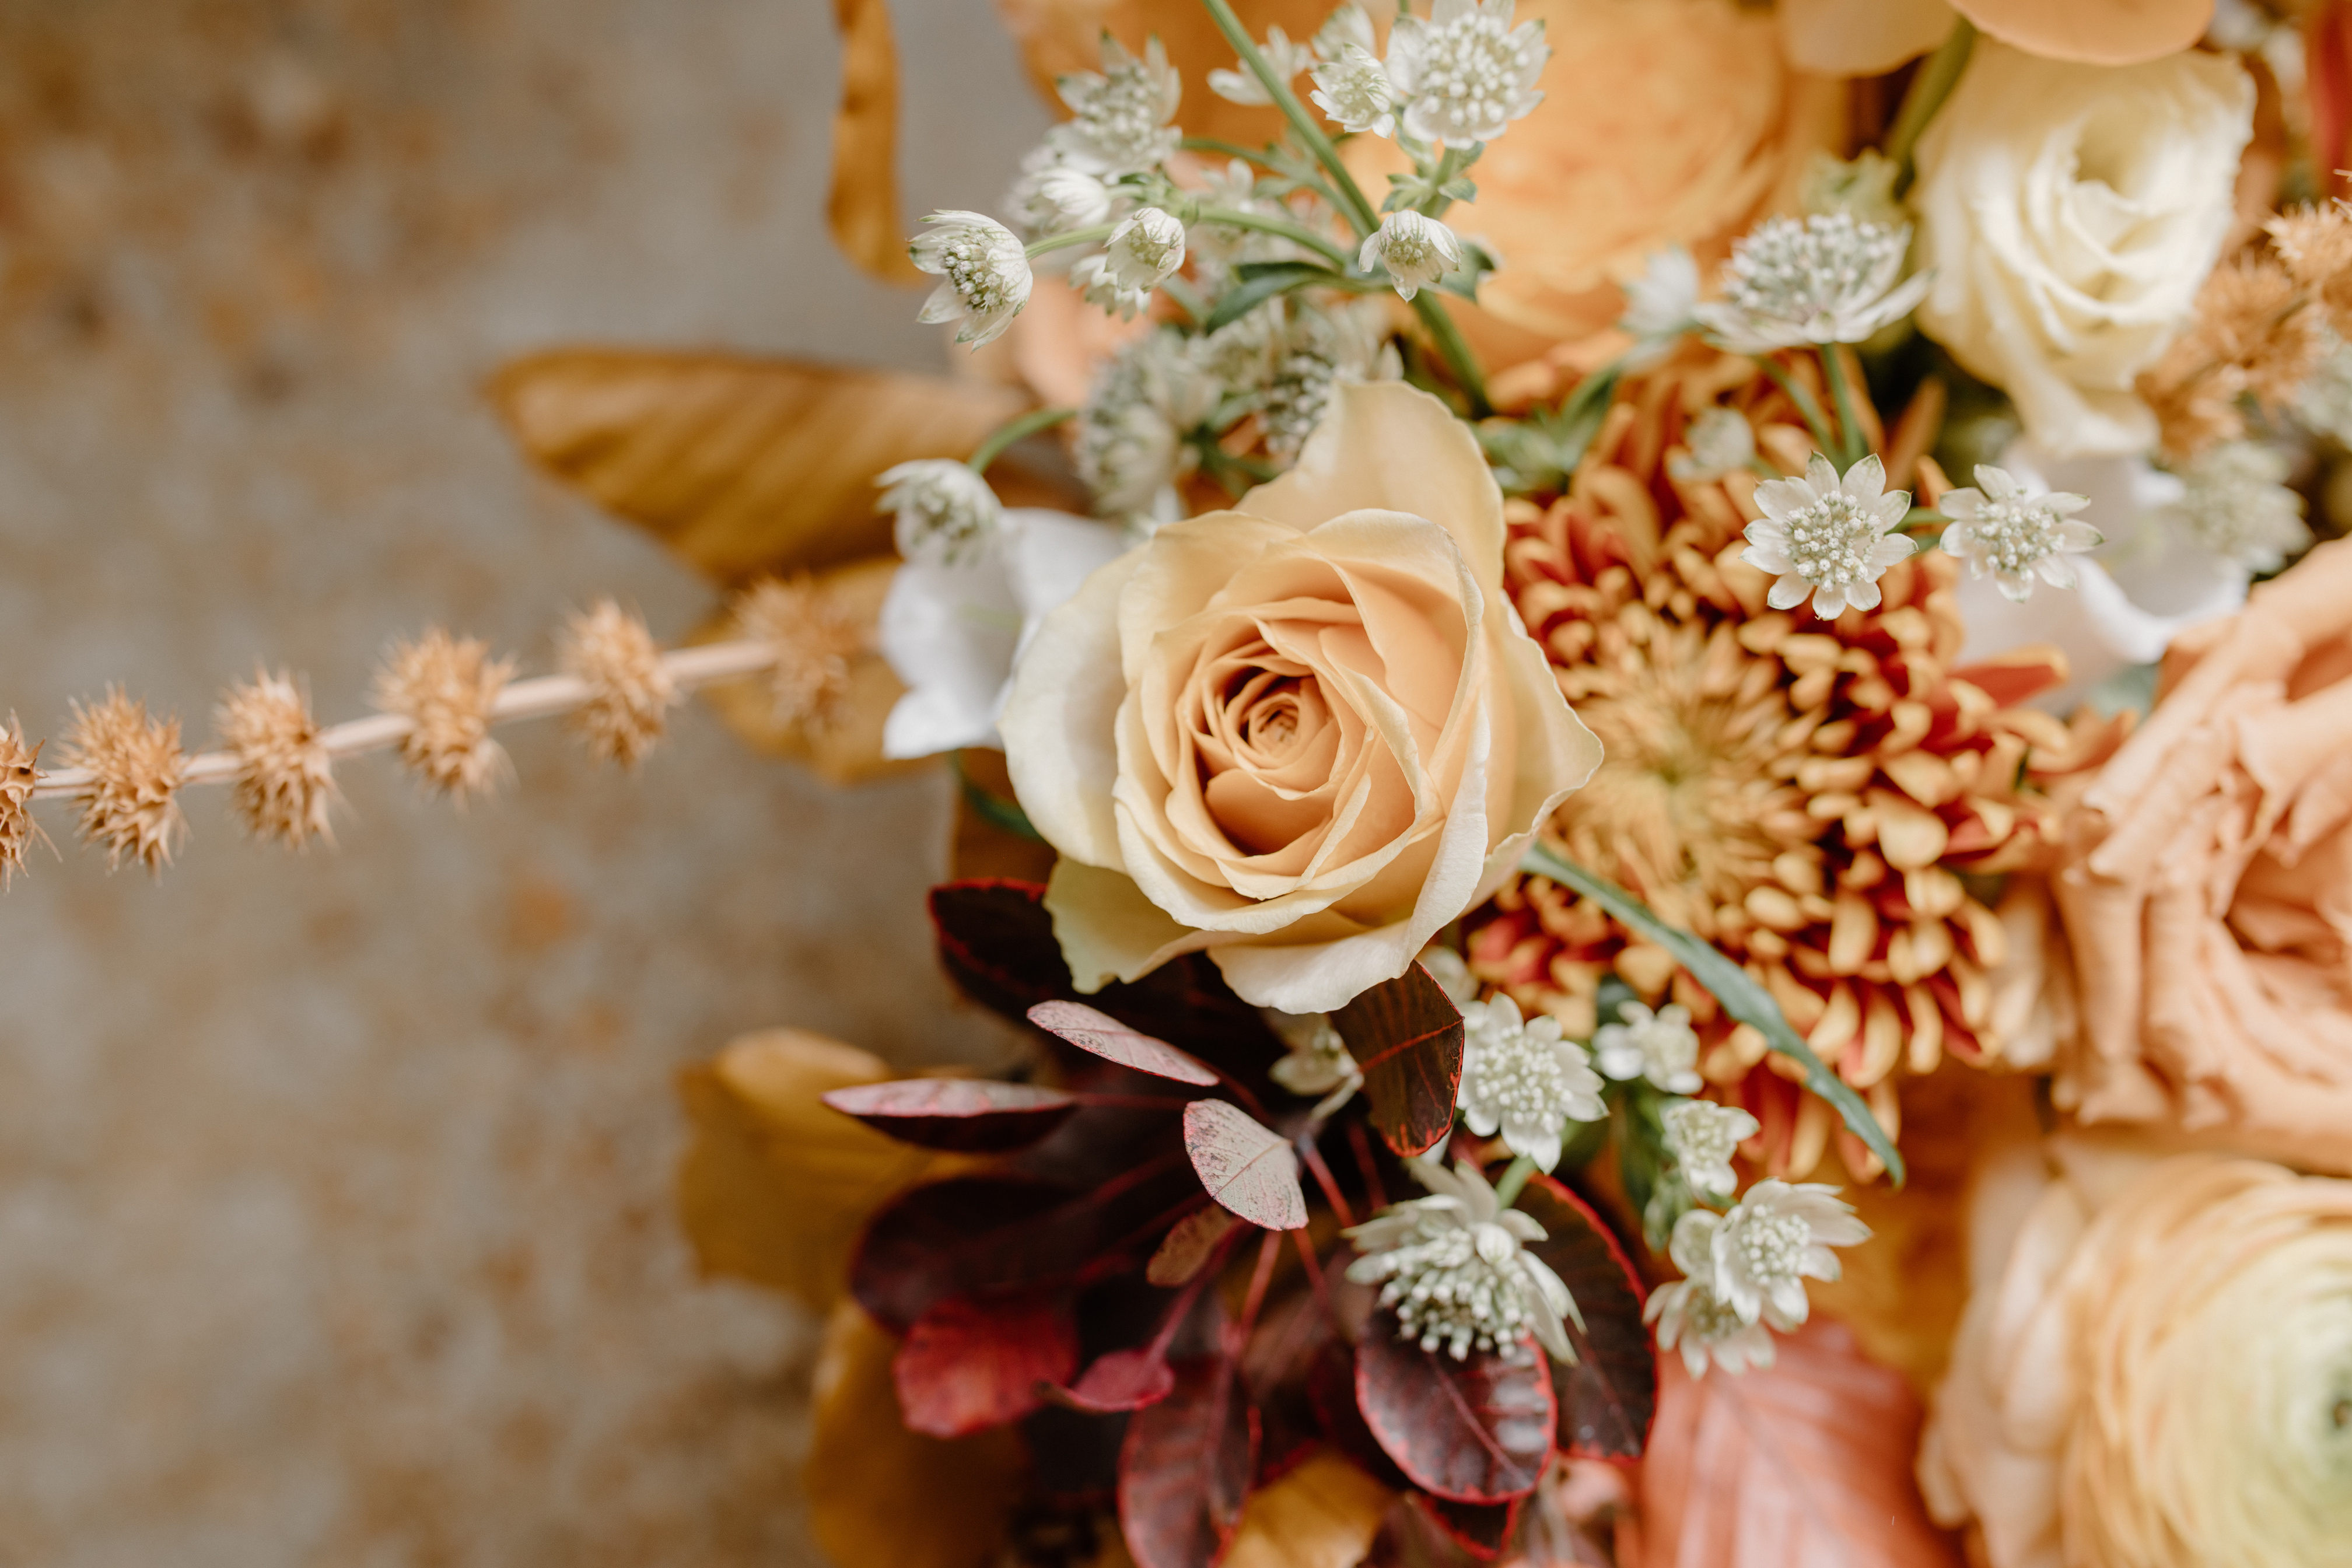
(2261, 328)
(816, 637)
(629, 688)
(445, 687)
(136, 767)
(19, 770)
(2315, 243)
(285, 780)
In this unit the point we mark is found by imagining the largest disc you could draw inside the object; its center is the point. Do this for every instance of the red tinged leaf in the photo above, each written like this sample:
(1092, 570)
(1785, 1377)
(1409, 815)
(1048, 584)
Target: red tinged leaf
(968, 1364)
(1121, 1380)
(1245, 1165)
(1331, 1386)
(1406, 1033)
(1189, 1244)
(1481, 1529)
(1474, 1430)
(1185, 1469)
(972, 1115)
(1107, 1037)
(1610, 1396)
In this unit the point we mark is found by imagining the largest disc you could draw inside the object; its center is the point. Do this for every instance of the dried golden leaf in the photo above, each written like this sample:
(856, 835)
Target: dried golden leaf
(776, 1185)
(879, 1494)
(741, 465)
(863, 208)
(1323, 1514)
(1057, 37)
(848, 749)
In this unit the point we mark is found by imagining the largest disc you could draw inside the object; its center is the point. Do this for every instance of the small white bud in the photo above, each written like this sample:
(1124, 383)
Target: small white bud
(1053, 195)
(1287, 59)
(986, 273)
(1140, 255)
(1355, 90)
(946, 514)
(1348, 25)
(1414, 250)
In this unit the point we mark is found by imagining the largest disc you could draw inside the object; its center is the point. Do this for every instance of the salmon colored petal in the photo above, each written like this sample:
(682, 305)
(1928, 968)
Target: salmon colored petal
(2093, 32)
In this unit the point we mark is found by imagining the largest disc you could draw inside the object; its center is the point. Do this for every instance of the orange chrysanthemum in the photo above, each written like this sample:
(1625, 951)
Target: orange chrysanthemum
(1810, 796)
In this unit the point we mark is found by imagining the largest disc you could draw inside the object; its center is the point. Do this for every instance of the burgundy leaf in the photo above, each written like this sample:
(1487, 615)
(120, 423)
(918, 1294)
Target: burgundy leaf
(1122, 1379)
(1105, 1037)
(1186, 1467)
(1246, 1165)
(1189, 1246)
(1332, 1386)
(971, 1364)
(1406, 1033)
(1474, 1430)
(974, 1114)
(1481, 1529)
(1610, 1396)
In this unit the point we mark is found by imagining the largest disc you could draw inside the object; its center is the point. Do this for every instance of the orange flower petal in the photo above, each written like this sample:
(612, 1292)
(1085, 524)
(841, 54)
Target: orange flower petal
(2093, 32)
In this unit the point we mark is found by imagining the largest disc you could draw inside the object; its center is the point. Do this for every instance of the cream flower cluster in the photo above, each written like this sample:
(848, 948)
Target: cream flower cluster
(1522, 1078)
(2012, 535)
(1661, 1046)
(1454, 1267)
(1461, 75)
(1828, 278)
(1829, 538)
(1747, 1269)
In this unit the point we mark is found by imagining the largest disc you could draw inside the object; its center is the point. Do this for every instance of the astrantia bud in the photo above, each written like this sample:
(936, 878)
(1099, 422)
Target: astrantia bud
(1346, 25)
(1285, 59)
(1355, 90)
(1414, 250)
(1053, 197)
(946, 514)
(986, 273)
(1140, 254)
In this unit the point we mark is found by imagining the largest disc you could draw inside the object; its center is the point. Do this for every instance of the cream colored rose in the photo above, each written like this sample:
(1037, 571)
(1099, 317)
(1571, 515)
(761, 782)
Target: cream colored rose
(2070, 214)
(1302, 735)
(2155, 1367)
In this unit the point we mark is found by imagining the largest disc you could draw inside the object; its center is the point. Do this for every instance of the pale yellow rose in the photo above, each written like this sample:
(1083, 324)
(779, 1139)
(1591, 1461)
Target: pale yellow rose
(1301, 735)
(2155, 1367)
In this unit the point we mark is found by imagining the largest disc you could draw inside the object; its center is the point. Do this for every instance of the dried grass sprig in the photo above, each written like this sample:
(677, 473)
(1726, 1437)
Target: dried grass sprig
(629, 689)
(135, 767)
(285, 782)
(2315, 243)
(815, 638)
(20, 772)
(447, 687)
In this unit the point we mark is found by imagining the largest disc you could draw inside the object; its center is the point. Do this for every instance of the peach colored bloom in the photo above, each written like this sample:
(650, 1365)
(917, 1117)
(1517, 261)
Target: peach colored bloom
(2207, 884)
(1301, 735)
(1864, 37)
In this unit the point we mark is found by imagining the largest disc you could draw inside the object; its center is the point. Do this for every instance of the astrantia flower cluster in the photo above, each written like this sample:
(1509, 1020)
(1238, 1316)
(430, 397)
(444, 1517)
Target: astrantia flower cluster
(1821, 279)
(1465, 72)
(1747, 1269)
(1520, 1078)
(1454, 1267)
(1828, 538)
(2005, 534)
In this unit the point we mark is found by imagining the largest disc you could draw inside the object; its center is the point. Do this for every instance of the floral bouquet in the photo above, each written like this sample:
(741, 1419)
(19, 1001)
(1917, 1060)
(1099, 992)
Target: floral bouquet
(1605, 963)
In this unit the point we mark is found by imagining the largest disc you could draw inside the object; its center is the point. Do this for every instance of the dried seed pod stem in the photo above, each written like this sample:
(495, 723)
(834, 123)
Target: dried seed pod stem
(132, 768)
(815, 638)
(285, 782)
(446, 688)
(19, 773)
(629, 689)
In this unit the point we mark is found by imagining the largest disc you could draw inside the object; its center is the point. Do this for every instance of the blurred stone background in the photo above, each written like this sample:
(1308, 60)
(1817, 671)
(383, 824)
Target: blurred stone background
(335, 1218)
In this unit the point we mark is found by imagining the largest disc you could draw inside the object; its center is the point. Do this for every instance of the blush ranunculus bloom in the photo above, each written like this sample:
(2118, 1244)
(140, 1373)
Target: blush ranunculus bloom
(1301, 735)
(2152, 1367)
(2206, 887)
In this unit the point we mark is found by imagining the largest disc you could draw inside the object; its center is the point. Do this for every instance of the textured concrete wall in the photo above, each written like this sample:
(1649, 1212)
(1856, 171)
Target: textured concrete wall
(333, 1190)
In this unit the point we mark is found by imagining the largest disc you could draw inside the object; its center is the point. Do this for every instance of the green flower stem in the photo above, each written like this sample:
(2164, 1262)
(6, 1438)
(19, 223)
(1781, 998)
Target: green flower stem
(1506, 1190)
(1283, 163)
(1807, 405)
(1297, 233)
(1013, 431)
(1933, 84)
(1036, 248)
(1454, 349)
(1851, 440)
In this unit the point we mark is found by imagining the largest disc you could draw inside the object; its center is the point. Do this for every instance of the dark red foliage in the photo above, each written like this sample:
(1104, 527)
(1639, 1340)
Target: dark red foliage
(971, 1364)
(1474, 1430)
(1481, 1529)
(1121, 1380)
(1331, 1384)
(1607, 1399)
(1186, 1469)
(972, 1115)
(1406, 1035)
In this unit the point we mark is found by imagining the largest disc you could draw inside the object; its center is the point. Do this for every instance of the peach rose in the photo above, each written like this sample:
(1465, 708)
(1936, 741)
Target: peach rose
(2154, 1365)
(2206, 888)
(1864, 37)
(1301, 735)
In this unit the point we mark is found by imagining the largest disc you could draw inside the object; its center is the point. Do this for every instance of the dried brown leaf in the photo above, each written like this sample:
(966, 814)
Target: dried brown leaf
(880, 1494)
(740, 466)
(863, 208)
(1323, 1514)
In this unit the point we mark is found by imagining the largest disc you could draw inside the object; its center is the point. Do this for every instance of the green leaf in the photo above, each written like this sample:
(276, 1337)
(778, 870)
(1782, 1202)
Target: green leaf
(993, 808)
(1732, 987)
(1262, 280)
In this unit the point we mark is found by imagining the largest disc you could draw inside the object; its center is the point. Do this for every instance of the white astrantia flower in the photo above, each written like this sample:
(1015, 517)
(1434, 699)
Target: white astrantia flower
(952, 629)
(1146, 247)
(1129, 448)
(1346, 24)
(1720, 441)
(1241, 85)
(2233, 503)
(1828, 537)
(1522, 1078)
(1414, 249)
(1466, 73)
(1454, 1267)
(1828, 278)
(945, 512)
(985, 271)
(1660, 304)
(1691, 1318)
(1777, 1237)
(1053, 195)
(1320, 1060)
(1659, 1046)
(2012, 536)
(1354, 89)
(1702, 1136)
(1121, 113)
(1321, 349)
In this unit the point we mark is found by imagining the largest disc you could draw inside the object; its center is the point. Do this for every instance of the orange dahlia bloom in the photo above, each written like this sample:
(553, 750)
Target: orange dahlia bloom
(1812, 796)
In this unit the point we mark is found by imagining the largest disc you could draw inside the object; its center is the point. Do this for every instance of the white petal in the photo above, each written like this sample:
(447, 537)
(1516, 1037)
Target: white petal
(1787, 592)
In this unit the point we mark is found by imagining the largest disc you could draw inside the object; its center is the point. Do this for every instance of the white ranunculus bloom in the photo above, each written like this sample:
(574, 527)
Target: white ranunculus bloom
(952, 629)
(2070, 214)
